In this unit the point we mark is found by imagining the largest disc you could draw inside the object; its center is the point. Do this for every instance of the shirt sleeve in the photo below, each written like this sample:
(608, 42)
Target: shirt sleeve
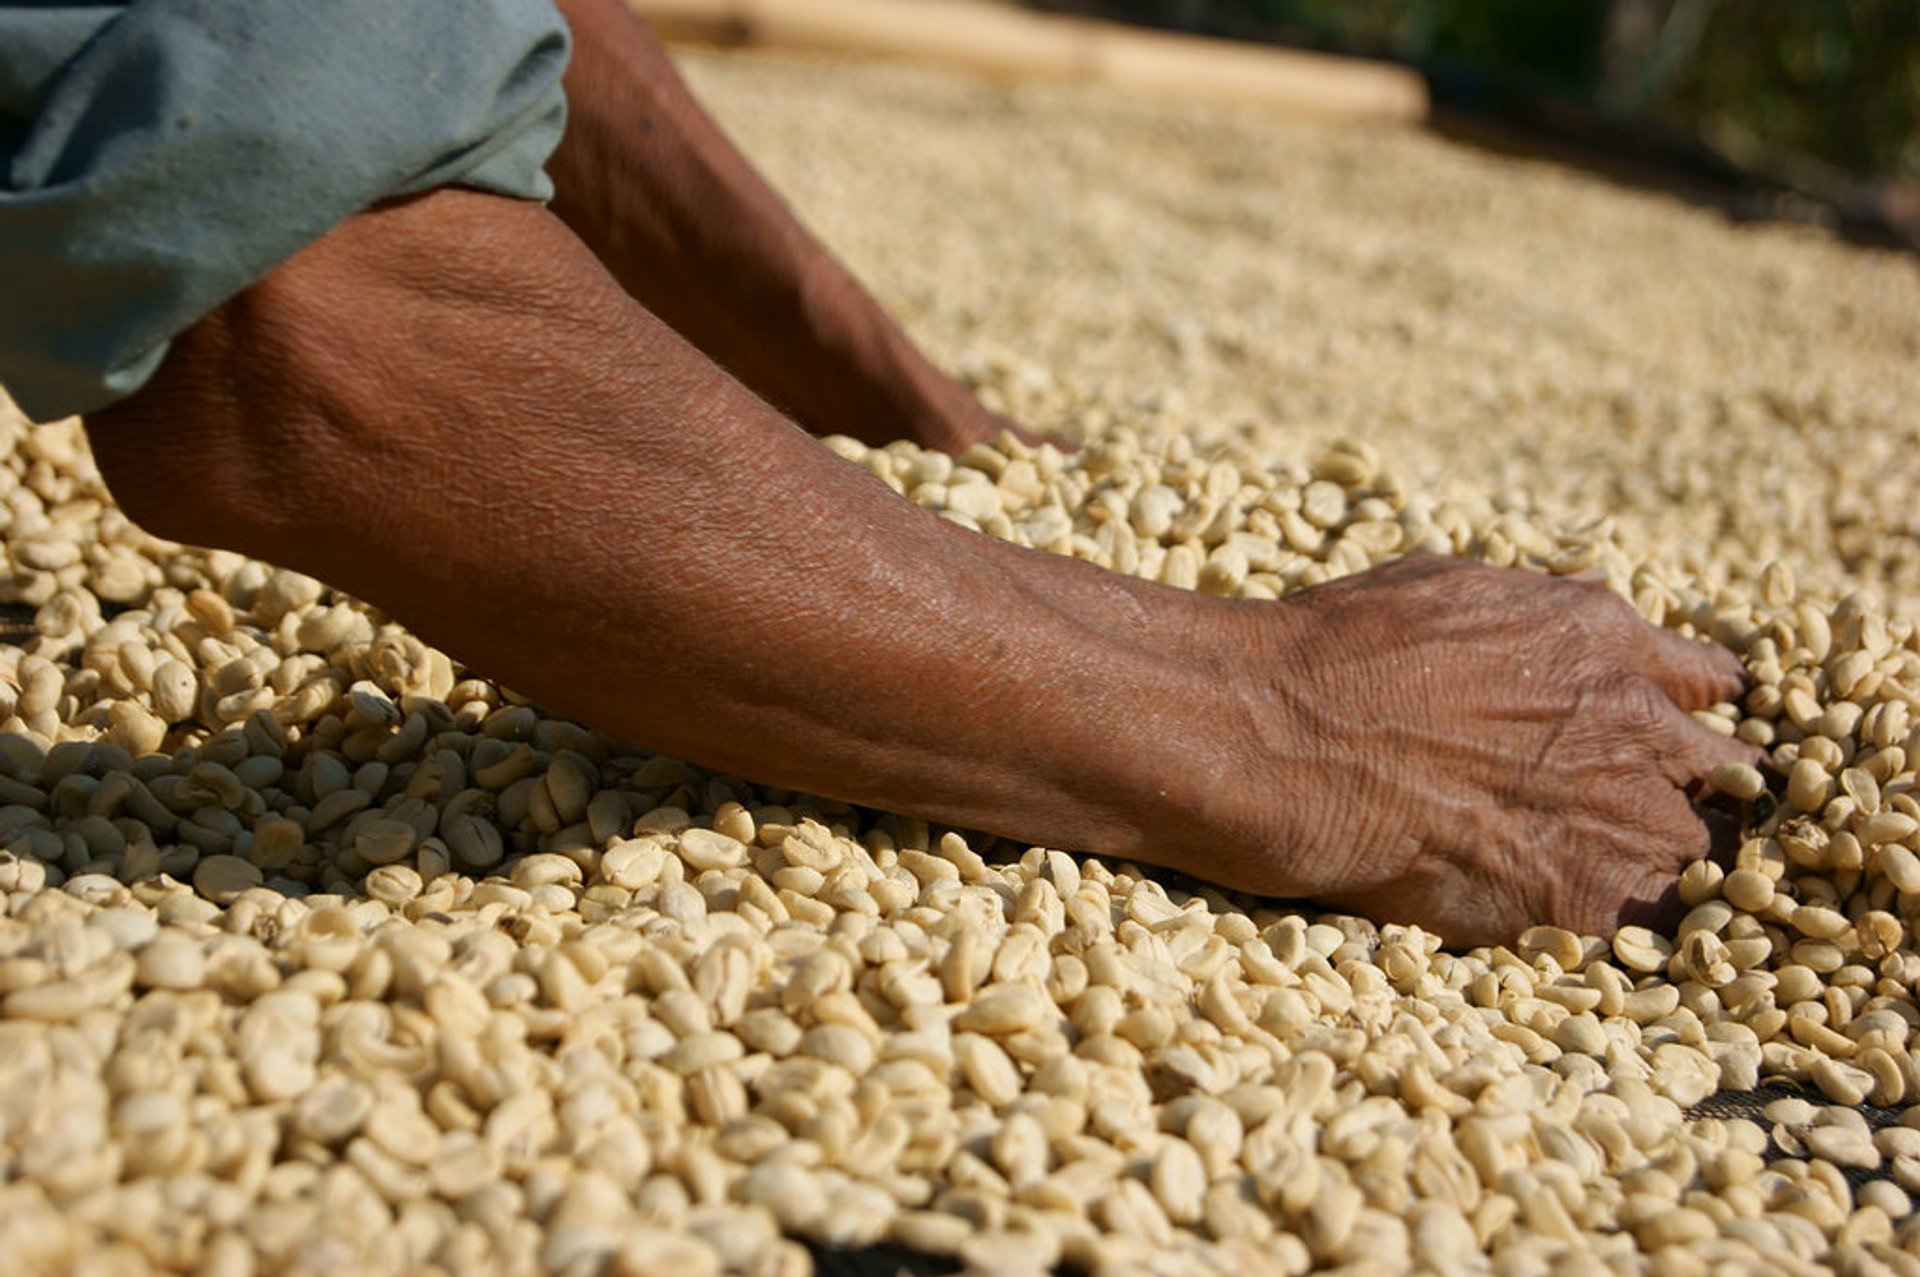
(158, 158)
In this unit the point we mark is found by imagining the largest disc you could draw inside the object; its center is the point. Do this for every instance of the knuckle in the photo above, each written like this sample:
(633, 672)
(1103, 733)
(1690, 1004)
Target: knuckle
(1638, 708)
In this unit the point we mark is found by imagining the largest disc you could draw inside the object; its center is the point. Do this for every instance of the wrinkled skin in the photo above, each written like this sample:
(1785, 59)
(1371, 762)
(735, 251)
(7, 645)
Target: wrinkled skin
(451, 407)
(1482, 749)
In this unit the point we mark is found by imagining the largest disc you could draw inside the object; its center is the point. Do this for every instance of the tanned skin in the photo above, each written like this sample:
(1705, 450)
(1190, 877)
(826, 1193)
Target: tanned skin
(546, 441)
(692, 232)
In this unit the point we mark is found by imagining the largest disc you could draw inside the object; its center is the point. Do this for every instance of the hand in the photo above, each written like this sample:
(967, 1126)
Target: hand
(1480, 749)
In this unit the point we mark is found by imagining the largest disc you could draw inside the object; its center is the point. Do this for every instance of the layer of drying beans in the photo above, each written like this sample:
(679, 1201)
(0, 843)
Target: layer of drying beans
(321, 954)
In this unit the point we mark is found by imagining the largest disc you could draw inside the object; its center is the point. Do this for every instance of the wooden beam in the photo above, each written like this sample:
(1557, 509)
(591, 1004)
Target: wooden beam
(1003, 41)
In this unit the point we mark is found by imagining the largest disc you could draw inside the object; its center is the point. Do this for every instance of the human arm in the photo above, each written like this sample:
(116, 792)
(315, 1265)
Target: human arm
(448, 409)
(675, 213)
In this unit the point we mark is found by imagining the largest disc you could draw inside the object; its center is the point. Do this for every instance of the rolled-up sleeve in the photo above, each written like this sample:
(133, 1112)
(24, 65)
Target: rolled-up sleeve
(158, 158)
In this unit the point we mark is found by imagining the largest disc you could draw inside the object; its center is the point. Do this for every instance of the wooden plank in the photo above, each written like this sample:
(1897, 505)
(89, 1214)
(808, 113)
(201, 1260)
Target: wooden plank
(1000, 40)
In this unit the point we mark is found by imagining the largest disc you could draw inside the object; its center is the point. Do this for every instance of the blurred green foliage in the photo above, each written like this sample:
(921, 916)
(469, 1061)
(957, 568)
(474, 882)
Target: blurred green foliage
(1827, 85)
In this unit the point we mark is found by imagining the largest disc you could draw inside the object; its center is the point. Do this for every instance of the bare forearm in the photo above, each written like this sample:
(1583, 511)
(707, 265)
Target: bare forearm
(597, 516)
(448, 408)
(680, 218)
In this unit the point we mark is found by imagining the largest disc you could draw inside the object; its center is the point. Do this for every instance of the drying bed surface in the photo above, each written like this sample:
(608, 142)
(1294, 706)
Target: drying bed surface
(321, 954)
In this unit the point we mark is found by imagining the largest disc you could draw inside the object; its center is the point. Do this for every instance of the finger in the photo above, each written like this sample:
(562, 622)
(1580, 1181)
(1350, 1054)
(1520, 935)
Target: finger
(1624, 891)
(1689, 751)
(1650, 824)
(1693, 674)
(1622, 865)
(1641, 887)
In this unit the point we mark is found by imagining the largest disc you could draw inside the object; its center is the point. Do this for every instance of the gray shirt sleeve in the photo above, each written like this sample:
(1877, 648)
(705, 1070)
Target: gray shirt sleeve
(159, 157)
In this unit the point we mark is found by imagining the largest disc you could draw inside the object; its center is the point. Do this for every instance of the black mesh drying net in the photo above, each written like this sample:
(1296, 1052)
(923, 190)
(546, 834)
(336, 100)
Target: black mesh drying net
(1751, 1105)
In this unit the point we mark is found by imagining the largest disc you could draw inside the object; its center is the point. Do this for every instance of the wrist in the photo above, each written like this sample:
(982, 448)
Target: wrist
(1236, 779)
(1188, 753)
